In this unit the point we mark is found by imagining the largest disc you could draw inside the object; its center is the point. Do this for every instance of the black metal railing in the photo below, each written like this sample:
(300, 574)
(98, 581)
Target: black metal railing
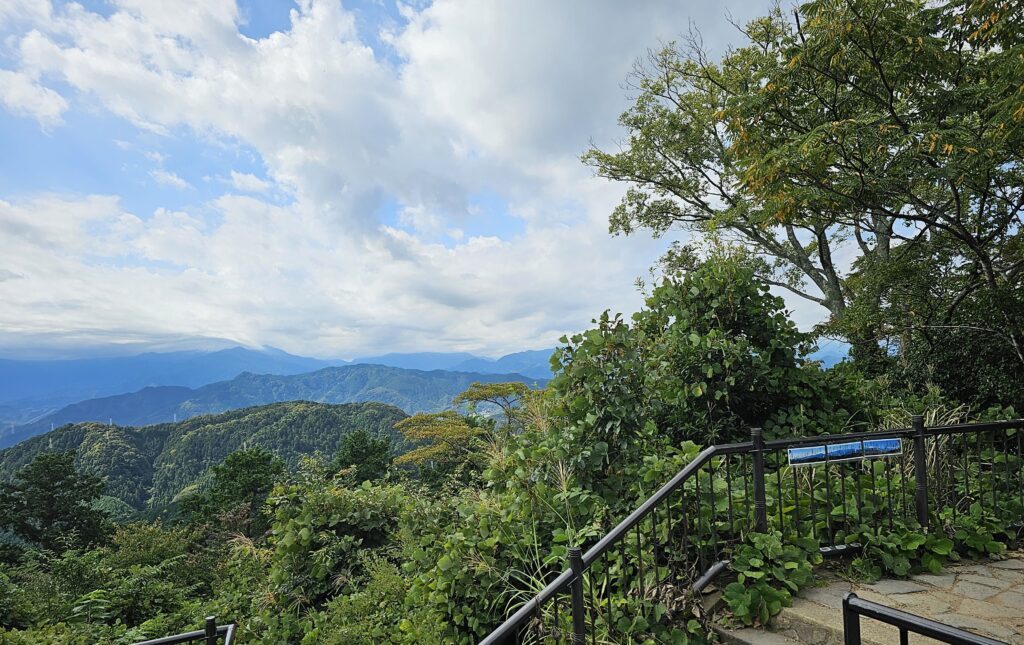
(646, 570)
(211, 634)
(854, 608)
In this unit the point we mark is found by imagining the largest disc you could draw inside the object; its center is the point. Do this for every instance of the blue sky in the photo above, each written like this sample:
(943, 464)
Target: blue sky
(332, 178)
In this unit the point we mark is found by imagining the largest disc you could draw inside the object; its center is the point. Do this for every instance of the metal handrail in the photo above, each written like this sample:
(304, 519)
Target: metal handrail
(211, 633)
(571, 579)
(855, 607)
(518, 619)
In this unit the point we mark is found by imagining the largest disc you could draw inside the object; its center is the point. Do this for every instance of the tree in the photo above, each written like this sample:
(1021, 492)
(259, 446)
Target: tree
(942, 332)
(238, 490)
(446, 437)
(507, 397)
(369, 457)
(51, 504)
(861, 127)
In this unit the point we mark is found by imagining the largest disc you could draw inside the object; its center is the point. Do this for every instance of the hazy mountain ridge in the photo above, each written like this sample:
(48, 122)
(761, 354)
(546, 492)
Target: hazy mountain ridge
(149, 466)
(29, 388)
(409, 390)
(532, 363)
(32, 389)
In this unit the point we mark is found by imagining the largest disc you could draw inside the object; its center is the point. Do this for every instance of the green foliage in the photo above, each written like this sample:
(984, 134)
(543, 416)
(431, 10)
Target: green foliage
(941, 328)
(711, 354)
(900, 551)
(363, 456)
(981, 532)
(320, 527)
(51, 504)
(109, 593)
(370, 615)
(769, 570)
(239, 487)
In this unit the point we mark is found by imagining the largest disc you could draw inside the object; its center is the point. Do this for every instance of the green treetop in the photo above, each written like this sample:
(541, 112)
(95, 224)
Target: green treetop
(51, 504)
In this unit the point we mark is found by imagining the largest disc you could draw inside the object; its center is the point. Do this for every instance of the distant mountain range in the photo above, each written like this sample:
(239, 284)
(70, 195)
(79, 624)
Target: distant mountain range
(535, 363)
(32, 389)
(409, 390)
(154, 387)
(146, 468)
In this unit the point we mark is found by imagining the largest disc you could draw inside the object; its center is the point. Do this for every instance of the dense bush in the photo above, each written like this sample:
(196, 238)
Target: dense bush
(711, 354)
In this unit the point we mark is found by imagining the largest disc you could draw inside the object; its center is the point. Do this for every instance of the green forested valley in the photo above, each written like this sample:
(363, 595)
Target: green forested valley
(148, 467)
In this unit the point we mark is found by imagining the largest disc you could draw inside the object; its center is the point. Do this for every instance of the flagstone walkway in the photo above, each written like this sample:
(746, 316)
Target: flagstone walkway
(982, 597)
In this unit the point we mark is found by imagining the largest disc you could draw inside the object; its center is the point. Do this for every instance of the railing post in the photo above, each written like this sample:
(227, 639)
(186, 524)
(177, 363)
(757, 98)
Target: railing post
(760, 506)
(920, 472)
(211, 630)
(579, 623)
(851, 622)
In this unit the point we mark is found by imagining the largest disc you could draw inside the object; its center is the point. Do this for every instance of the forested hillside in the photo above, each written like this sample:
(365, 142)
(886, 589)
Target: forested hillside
(147, 467)
(410, 390)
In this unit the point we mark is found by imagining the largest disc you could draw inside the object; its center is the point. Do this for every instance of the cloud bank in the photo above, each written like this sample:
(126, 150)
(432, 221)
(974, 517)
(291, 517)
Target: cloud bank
(416, 190)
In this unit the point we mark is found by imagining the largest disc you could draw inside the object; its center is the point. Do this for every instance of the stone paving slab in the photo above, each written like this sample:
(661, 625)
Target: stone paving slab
(983, 597)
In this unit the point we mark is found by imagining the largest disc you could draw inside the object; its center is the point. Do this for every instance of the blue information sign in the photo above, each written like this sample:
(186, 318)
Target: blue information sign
(850, 451)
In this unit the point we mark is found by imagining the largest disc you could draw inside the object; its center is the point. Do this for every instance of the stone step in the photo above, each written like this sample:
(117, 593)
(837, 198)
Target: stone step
(813, 624)
(751, 636)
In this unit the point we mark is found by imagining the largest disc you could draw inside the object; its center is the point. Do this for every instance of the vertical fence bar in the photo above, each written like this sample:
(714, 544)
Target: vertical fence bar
(920, 472)
(1020, 469)
(579, 619)
(814, 504)
(713, 509)
(830, 504)
(555, 630)
(796, 503)
(728, 487)
(778, 494)
(760, 506)
(851, 622)
(211, 630)
(842, 491)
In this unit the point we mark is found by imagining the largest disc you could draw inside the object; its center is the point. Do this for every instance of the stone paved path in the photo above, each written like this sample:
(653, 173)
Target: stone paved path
(986, 598)
(982, 597)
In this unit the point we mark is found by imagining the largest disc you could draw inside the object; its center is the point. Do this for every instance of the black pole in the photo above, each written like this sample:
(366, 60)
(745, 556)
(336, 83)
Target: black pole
(851, 622)
(211, 630)
(920, 472)
(760, 507)
(579, 624)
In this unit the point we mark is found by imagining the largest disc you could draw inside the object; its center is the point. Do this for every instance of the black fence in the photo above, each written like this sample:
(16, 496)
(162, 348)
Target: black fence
(211, 634)
(827, 489)
(854, 608)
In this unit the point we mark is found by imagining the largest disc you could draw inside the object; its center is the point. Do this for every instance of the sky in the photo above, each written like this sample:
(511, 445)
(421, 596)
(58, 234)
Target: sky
(331, 178)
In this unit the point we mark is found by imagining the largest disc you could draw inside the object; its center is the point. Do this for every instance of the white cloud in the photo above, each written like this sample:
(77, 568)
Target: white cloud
(23, 96)
(24, 12)
(167, 178)
(384, 245)
(248, 183)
